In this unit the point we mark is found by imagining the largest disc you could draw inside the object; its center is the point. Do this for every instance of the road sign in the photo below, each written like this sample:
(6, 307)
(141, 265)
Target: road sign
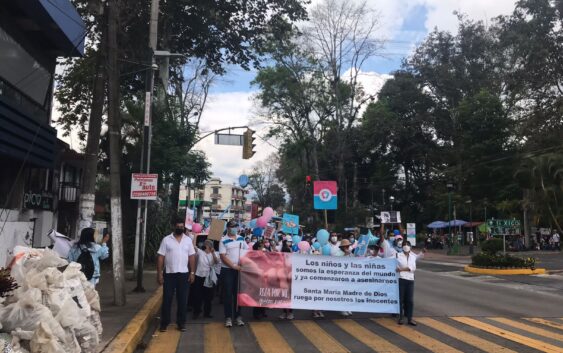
(144, 186)
(228, 139)
(325, 195)
(504, 226)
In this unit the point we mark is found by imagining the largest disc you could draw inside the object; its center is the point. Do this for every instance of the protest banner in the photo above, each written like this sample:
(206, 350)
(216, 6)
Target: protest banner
(362, 246)
(144, 186)
(325, 195)
(296, 281)
(290, 224)
(390, 217)
(269, 232)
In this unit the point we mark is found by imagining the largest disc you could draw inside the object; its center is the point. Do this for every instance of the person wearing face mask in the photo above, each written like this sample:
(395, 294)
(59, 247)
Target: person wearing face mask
(345, 250)
(398, 243)
(406, 266)
(230, 249)
(175, 252)
(334, 245)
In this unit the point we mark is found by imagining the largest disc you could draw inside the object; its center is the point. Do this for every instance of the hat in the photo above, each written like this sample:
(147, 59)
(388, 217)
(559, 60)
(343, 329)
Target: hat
(232, 224)
(397, 237)
(288, 238)
(344, 242)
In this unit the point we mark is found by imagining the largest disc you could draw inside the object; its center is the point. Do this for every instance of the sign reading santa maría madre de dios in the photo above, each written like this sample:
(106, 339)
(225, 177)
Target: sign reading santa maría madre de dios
(312, 282)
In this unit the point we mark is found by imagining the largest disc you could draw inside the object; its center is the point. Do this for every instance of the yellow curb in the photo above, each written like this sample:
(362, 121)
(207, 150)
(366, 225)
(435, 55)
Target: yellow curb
(129, 337)
(515, 271)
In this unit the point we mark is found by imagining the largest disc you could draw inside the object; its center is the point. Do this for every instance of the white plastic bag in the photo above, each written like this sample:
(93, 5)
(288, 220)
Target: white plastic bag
(73, 285)
(87, 337)
(44, 341)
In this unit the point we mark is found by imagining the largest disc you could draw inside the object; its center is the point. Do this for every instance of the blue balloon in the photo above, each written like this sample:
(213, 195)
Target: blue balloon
(322, 236)
(257, 232)
(296, 239)
(326, 249)
(316, 245)
(373, 240)
(252, 223)
(294, 248)
(397, 232)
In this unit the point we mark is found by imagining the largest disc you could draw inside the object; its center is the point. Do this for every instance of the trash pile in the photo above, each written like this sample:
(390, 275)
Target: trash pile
(53, 310)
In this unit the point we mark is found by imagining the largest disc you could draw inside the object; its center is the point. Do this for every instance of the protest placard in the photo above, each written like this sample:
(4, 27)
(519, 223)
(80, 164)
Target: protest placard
(216, 229)
(289, 280)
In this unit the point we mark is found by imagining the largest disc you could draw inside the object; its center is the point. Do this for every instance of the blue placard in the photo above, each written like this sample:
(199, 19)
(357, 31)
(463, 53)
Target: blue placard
(362, 246)
(290, 224)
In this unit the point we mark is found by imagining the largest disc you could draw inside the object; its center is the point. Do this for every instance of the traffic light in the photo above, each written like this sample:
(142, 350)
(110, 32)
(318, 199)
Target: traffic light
(248, 144)
(308, 181)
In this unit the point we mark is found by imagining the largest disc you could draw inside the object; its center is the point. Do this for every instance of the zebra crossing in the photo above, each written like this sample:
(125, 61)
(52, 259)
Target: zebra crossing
(380, 334)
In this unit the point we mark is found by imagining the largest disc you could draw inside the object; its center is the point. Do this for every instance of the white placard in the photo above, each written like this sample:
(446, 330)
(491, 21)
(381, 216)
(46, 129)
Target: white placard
(144, 186)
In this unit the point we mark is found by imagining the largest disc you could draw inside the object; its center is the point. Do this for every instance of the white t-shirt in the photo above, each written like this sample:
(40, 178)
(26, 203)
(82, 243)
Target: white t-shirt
(205, 263)
(555, 237)
(403, 262)
(335, 249)
(176, 253)
(233, 248)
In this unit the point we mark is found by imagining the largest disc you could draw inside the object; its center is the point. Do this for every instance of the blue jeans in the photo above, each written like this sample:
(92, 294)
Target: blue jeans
(230, 282)
(179, 283)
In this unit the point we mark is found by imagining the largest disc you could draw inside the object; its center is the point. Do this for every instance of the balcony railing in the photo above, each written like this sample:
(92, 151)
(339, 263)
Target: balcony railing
(215, 196)
(215, 207)
(69, 192)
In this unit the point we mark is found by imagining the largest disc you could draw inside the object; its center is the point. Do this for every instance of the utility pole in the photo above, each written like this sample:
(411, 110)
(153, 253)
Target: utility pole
(114, 122)
(450, 187)
(470, 202)
(147, 136)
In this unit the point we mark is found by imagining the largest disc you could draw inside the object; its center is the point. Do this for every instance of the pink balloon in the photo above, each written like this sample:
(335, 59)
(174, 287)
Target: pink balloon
(304, 246)
(262, 222)
(268, 211)
(196, 228)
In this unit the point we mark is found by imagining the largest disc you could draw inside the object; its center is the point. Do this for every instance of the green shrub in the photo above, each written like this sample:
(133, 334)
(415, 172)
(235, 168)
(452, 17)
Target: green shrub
(502, 261)
(492, 246)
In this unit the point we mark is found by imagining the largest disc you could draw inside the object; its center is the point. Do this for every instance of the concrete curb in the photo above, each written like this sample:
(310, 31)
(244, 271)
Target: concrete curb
(516, 271)
(131, 335)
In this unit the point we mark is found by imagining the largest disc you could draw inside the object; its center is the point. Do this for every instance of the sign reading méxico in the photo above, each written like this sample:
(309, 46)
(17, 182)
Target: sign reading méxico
(326, 195)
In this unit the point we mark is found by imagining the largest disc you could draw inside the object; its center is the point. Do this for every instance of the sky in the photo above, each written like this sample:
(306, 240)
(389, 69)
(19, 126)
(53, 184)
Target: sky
(403, 24)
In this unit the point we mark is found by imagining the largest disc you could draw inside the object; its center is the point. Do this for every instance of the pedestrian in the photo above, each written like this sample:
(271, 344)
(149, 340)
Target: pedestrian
(334, 245)
(406, 266)
(230, 249)
(205, 280)
(87, 245)
(259, 312)
(556, 240)
(286, 247)
(345, 250)
(176, 252)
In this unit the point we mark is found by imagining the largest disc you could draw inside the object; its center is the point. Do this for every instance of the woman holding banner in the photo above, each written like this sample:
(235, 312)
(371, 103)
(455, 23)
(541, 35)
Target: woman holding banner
(345, 250)
(406, 266)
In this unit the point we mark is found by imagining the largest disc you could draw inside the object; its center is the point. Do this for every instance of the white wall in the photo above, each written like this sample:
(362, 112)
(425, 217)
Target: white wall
(13, 233)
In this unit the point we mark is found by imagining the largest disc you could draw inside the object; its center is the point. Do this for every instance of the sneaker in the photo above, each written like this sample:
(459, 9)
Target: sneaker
(290, 316)
(182, 328)
(315, 315)
(283, 316)
(344, 313)
(239, 321)
(228, 322)
(321, 315)
(412, 323)
(349, 313)
(400, 322)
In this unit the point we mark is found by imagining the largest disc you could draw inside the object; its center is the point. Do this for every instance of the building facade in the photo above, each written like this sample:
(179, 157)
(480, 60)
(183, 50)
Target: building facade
(33, 34)
(217, 199)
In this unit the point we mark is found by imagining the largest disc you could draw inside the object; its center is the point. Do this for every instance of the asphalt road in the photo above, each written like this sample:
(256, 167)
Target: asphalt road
(456, 311)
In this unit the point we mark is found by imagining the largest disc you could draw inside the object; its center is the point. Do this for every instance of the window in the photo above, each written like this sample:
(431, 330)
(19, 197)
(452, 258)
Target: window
(215, 190)
(214, 201)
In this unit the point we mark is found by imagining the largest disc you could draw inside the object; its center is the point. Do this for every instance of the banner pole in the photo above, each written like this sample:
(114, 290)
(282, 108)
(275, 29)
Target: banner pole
(326, 220)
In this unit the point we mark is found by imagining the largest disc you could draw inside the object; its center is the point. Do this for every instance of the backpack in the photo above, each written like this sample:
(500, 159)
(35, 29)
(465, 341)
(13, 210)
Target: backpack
(85, 260)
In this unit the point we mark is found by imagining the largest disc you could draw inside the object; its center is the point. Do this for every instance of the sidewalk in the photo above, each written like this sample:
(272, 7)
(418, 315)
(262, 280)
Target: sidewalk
(114, 318)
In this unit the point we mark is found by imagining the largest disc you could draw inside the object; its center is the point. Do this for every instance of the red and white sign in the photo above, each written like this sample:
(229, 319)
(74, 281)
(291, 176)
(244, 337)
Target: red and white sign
(144, 186)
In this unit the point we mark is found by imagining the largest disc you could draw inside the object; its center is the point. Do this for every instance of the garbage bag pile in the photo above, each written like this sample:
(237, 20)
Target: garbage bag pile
(54, 309)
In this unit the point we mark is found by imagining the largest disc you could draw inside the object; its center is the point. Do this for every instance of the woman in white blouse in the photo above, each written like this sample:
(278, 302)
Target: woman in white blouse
(406, 265)
(207, 259)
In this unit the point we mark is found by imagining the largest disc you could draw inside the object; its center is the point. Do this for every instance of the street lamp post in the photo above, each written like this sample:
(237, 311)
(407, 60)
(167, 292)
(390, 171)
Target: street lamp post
(450, 187)
(391, 201)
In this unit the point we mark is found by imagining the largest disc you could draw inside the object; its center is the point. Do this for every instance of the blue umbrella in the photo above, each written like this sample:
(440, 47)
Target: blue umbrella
(457, 222)
(437, 224)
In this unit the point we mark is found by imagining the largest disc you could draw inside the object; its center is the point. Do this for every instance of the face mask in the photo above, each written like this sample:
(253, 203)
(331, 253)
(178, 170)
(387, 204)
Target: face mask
(406, 248)
(267, 245)
(178, 231)
(233, 231)
(352, 240)
(399, 243)
(253, 240)
(334, 239)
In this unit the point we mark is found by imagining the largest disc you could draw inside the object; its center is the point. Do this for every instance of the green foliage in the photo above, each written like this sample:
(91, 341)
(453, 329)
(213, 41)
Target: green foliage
(502, 261)
(492, 246)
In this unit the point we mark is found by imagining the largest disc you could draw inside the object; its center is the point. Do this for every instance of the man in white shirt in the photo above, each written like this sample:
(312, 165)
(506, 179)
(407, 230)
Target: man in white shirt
(175, 253)
(556, 240)
(231, 248)
(406, 265)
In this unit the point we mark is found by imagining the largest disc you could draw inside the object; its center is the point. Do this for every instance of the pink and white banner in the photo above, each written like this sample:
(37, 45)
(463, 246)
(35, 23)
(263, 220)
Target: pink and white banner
(314, 282)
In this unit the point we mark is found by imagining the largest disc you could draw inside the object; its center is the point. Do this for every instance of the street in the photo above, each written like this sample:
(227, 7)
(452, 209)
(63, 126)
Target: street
(455, 311)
